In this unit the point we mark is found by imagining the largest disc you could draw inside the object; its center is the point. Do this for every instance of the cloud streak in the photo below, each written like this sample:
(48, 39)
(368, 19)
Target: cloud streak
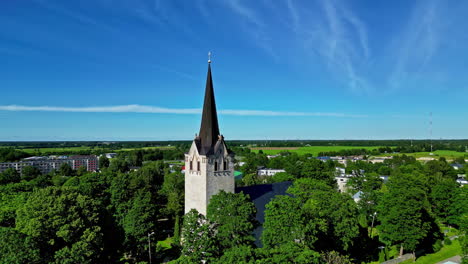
(337, 36)
(419, 43)
(254, 25)
(162, 110)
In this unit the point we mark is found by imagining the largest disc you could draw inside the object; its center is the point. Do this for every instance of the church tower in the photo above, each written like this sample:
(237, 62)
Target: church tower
(209, 165)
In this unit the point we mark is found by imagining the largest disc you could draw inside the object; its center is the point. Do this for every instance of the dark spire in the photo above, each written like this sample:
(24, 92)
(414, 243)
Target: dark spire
(209, 129)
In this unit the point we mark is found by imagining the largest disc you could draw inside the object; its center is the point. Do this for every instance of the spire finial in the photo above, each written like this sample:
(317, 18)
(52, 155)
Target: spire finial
(209, 56)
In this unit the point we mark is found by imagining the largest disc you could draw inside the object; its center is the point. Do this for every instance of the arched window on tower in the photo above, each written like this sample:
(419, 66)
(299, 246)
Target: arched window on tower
(216, 166)
(198, 165)
(225, 165)
(191, 165)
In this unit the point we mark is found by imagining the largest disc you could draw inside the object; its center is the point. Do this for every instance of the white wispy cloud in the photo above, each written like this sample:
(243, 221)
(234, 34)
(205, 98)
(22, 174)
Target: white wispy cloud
(162, 110)
(334, 33)
(418, 42)
(80, 17)
(342, 53)
(253, 25)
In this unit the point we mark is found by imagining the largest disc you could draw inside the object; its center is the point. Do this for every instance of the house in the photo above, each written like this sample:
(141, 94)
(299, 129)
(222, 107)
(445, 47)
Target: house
(268, 172)
(379, 159)
(340, 171)
(357, 196)
(341, 181)
(462, 181)
(456, 166)
(425, 159)
(111, 155)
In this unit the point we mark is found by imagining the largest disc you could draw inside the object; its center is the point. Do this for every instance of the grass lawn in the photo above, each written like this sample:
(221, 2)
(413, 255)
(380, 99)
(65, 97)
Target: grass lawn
(446, 252)
(166, 244)
(314, 150)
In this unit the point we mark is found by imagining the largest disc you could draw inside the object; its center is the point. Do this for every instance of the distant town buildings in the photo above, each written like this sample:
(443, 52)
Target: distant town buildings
(111, 155)
(47, 164)
(268, 172)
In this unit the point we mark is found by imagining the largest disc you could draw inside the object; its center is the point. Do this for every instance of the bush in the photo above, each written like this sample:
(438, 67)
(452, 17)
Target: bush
(447, 241)
(437, 245)
(381, 256)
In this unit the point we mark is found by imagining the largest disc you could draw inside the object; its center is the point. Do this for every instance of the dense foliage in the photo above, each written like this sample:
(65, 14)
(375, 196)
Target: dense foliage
(117, 215)
(79, 217)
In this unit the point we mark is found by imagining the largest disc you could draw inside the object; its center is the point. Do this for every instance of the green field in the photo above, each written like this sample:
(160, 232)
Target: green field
(448, 154)
(314, 150)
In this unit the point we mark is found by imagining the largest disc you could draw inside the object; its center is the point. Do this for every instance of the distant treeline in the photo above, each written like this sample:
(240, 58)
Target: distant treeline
(386, 146)
(384, 150)
(416, 145)
(115, 145)
(440, 143)
(11, 154)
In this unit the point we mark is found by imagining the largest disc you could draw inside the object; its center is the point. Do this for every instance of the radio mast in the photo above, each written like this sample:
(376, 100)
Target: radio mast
(430, 129)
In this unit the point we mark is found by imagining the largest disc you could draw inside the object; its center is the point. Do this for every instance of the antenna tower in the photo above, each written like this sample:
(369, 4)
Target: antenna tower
(430, 129)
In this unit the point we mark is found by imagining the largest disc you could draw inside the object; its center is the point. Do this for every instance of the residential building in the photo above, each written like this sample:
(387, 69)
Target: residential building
(268, 172)
(48, 164)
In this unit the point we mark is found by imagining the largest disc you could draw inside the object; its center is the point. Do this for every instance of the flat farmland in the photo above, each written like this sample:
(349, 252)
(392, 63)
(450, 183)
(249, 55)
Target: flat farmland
(314, 150)
(448, 154)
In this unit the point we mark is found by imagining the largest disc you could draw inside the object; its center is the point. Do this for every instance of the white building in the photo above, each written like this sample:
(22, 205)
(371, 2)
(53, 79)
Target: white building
(341, 182)
(268, 172)
(111, 155)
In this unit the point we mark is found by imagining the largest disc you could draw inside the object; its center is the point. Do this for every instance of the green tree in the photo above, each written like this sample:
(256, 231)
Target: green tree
(404, 212)
(288, 253)
(138, 222)
(441, 197)
(458, 208)
(82, 170)
(333, 257)
(241, 254)
(66, 170)
(29, 173)
(17, 248)
(250, 179)
(10, 201)
(282, 177)
(283, 222)
(315, 169)
(173, 190)
(64, 223)
(118, 165)
(234, 215)
(199, 238)
(9, 175)
(316, 212)
(103, 162)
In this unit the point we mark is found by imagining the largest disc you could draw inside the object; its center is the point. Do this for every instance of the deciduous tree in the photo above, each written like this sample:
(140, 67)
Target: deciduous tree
(234, 216)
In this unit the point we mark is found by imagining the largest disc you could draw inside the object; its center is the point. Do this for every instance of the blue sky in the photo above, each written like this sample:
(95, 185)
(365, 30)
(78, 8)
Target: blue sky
(283, 69)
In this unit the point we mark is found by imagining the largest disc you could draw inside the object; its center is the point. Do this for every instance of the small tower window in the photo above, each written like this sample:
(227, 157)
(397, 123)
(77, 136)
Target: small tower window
(225, 165)
(191, 165)
(198, 166)
(216, 166)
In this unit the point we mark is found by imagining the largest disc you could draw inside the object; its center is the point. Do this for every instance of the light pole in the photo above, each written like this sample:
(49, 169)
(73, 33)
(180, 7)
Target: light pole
(149, 245)
(372, 225)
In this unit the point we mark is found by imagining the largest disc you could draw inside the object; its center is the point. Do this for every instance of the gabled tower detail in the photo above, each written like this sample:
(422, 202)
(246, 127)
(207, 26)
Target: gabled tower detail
(209, 165)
